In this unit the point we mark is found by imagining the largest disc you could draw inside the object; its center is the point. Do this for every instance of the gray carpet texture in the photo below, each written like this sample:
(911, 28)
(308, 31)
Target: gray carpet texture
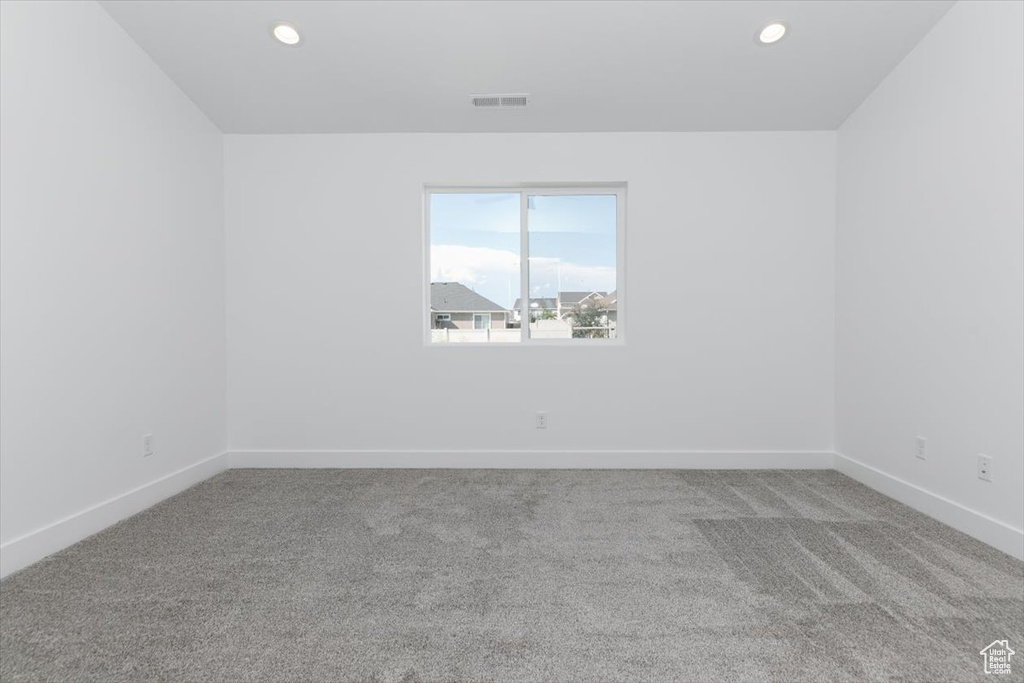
(516, 575)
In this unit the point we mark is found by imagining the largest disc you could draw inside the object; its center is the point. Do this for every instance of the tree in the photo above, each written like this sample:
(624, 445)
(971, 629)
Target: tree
(588, 315)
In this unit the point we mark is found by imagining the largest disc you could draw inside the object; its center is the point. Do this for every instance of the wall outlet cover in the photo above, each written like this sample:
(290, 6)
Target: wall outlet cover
(984, 468)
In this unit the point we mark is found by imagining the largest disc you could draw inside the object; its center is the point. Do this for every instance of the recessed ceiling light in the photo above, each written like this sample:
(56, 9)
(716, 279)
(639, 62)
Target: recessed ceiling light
(772, 33)
(287, 34)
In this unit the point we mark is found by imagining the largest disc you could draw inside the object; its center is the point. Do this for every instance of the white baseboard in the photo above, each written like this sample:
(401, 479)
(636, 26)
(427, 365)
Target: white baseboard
(22, 551)
(971, 522)
(554, 459)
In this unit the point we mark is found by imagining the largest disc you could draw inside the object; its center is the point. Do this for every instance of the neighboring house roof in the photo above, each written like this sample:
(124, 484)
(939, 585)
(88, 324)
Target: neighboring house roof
(610, 302)
(570, 299)
(454, 296)
(543, 304)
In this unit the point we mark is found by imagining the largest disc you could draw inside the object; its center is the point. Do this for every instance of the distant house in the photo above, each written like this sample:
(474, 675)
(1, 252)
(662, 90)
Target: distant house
(538, 307)
(455, 306)
(570, 300)
(561, 306)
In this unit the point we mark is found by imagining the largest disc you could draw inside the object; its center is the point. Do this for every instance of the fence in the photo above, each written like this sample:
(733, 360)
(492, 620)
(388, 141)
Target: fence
(542, 329)
(454, 335)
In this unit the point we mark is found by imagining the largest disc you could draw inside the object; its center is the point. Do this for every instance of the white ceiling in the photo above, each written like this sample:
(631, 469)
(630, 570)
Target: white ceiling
(589, 66)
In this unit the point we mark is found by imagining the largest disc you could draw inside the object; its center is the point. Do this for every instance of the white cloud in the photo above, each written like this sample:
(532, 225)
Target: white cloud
(471, 265)
(556, 274)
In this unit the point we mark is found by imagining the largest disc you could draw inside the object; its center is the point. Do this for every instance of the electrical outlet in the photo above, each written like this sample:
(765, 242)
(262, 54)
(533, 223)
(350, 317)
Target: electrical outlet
(147, 445)
(922, 448)
(542, 421)
(984, 468)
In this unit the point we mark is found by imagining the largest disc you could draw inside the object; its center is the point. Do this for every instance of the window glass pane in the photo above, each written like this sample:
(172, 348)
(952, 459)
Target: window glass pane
(572, 266)
(474, 267)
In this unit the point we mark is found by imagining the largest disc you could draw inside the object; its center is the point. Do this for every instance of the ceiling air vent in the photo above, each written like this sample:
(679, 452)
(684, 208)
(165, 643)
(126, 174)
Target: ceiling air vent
(500, 101)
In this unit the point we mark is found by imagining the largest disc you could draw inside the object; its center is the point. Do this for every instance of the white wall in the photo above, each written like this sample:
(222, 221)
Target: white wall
(111, 269)
(730, 242)
(930, 281)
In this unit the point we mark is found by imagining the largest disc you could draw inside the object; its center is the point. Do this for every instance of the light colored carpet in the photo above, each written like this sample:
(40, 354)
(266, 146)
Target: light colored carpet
(489, 575)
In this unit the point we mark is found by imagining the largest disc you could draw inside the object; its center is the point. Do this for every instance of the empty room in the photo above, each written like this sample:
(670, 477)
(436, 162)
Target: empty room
(455, 341)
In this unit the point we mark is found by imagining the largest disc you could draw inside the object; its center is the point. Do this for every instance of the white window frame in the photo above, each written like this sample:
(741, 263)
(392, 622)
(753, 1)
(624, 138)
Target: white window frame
(526, 190)
(443, 317)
